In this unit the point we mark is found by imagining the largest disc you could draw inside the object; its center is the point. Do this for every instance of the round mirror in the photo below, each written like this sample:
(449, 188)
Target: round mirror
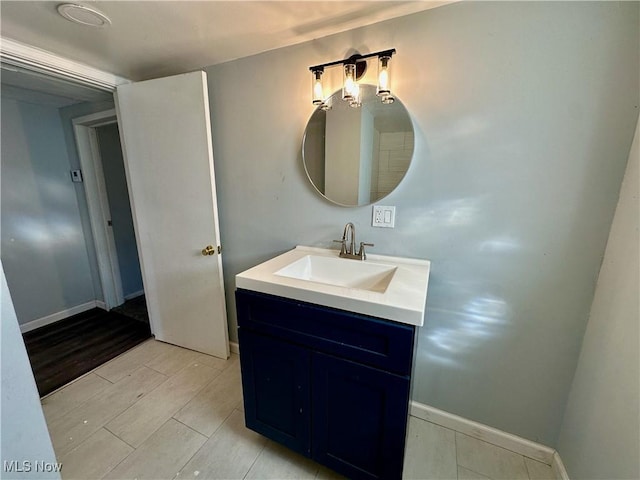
(356, 156)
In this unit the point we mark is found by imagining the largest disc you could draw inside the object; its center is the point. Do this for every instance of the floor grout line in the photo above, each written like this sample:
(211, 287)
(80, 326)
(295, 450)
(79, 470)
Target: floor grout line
(194, 453)
(189, 427)
(104, 425)
(111, 418)
(455, 447)
(158, 371)
(115, 435)
(167, 377)
(57, 417)
(152, 390)
(526, 467)
(483, 440)
(202, 446)
(495, 445)
(475, 471)
(120, 462)
(71, 383)
(104, 378)
(256, 459)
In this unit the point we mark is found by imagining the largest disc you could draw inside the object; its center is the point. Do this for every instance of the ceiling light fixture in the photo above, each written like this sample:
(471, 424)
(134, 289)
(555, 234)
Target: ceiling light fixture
(83, 15)
(353, 69)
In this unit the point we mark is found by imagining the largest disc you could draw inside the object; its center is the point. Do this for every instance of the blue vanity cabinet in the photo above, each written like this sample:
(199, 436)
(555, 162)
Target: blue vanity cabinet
(362, 417)
(277, 391)
(329, 384)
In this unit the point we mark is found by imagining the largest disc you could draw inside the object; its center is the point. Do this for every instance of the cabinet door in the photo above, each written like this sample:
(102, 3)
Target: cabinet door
(275, 382)
(359, 418)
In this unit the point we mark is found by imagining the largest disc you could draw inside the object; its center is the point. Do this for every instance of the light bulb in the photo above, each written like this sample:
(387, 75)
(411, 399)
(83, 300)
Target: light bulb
(349, 85)
(317, 90)
(384, 84)
(355, 101)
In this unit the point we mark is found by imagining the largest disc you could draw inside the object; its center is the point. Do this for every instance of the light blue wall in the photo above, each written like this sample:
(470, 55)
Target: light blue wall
(120, 207)
(524, 114)
(43, 243)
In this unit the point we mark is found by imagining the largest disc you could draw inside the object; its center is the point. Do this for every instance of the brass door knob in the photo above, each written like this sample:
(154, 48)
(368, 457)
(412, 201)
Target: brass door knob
(208, 250)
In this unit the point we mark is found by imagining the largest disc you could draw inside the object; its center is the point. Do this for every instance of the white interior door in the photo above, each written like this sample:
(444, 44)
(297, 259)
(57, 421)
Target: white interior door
(166, 140)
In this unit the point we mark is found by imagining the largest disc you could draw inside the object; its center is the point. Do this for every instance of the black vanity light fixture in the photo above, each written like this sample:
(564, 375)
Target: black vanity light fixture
(353, 68)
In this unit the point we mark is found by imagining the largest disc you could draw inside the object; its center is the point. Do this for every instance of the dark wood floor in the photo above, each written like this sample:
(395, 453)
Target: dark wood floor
(67, 349)
(135, 308)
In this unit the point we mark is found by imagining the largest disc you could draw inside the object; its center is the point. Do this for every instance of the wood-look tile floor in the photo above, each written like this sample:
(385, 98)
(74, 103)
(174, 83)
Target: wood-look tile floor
(164, 412)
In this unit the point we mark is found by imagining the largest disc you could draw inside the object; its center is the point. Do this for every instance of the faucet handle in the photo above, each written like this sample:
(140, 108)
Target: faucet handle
(361, 253)
(344, 245)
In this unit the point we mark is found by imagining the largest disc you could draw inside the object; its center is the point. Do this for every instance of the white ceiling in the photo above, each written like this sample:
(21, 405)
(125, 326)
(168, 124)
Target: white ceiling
(149, 39)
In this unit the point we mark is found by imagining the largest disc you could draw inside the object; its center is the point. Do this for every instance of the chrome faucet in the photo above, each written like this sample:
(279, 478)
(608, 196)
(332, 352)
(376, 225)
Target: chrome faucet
(350, 250)
(350, 229)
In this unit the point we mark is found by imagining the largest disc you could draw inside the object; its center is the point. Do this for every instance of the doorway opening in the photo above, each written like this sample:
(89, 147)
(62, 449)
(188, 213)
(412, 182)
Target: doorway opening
(184, 289)
(109, 206)
(49, 250)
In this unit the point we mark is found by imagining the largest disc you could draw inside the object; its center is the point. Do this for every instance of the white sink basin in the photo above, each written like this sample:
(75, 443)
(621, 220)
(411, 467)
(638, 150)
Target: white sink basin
(387, 287)
(340, 272)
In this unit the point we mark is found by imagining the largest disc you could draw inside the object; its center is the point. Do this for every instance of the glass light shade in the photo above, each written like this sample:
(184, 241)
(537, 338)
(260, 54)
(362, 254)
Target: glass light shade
(326, 104)
(317, 90)
(356, 100)
(384, 80)
(349, 84)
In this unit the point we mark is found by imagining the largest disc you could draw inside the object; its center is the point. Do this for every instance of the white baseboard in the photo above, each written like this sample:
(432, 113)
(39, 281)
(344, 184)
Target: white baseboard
(558, 468)
(234, 347)
(134, 295)
(56, 317)
(101, 304)
(483, 432)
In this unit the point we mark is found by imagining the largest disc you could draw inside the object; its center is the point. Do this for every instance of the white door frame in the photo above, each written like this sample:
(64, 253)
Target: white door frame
(98, 203)
(32, 58)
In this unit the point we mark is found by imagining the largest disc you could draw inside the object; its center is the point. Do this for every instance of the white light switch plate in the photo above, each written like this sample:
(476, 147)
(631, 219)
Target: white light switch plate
(383, 216)
(76, 176)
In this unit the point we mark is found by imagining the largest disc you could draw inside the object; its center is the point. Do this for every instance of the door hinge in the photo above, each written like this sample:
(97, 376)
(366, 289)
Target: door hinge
(219, 249)
(110, 223)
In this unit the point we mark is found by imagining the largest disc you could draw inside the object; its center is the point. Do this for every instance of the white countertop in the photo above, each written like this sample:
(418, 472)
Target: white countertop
(403, 300)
